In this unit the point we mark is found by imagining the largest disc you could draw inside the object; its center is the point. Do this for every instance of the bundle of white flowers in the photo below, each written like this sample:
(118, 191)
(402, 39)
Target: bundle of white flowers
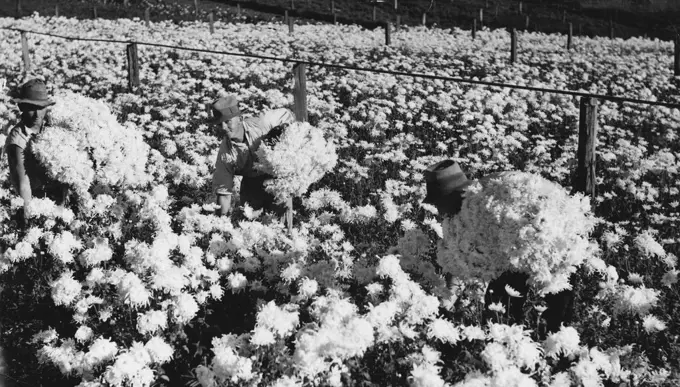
(84, 144)
(299, 158)
(520, 222)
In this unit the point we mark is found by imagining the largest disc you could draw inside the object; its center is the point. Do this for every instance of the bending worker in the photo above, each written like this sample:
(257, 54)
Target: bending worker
(446, 184)
(29, 178)
(236, 156)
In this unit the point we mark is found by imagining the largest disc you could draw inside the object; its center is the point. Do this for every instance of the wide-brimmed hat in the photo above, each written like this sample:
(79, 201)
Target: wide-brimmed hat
(224, 109)
(444, 178)
(33, 92)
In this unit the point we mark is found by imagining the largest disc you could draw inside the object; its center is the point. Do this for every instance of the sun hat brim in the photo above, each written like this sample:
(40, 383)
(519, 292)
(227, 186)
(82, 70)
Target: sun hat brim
(36, 102)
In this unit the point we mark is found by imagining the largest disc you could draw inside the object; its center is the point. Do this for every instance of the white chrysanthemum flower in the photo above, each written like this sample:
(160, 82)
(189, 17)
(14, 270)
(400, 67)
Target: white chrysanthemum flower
(652, 324)
(152, 321)
(100, 252)
(497, 307)
(160, 351)
(497, 357)
(443, 331)
(635, 300)
(185, 308)
(564, 342)
(649, 247)
(237, 281)
(308, 287)
(300, 157)
(83, 334)
(100, 351)
(426, 375)
(291, 273)
(279, 320)
(262, 336)
(512, 292)
(561, 379)
(65, 289)
(132, 291)
(670, 278)
(63, 245)
(227, 364)
(473, 332)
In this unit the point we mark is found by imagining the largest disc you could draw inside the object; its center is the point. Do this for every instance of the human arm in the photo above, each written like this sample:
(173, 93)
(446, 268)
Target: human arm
(17, 170)
(223, 178)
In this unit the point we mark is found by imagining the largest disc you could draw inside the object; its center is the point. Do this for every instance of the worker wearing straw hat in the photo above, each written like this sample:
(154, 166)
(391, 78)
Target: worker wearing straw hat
(236, 156)
(446, 184)
(28, 177)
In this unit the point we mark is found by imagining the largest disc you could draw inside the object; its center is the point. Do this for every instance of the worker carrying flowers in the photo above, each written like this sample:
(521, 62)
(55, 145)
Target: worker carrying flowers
(29, 178)
(515, 231)
(236, 156)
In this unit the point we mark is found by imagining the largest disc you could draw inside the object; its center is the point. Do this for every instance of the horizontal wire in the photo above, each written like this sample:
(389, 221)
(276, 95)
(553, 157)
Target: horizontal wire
(368, 69)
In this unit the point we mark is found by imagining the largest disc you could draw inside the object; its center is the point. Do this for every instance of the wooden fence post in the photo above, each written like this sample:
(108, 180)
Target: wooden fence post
(396, 5)
(335, 19)
(285, 16)
(611, 29)
(398, 23)
(332, 6)
(585, 180)
(24, 52)
(375, 13)
(513, 46)
(133, 66)
(564, 16)
(474, 29)
(18, 10)
(526, 23)
(520, 7)
(196, 9)
(238, 9)
(424, 21)
(481, 17)
(570, 36)
(94, 12)
(147, 17)
(676, 66)
(292, 4)
(211, 22)
(291, 25)
(300, 97)
(388, 38)
(56, 10)
(300, 92)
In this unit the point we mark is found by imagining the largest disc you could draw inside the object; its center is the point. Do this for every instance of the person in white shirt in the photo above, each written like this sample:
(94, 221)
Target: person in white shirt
(237, 154)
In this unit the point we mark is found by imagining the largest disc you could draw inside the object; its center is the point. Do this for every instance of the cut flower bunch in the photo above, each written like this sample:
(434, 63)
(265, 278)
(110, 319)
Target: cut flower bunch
(523, 223)
(144, 285)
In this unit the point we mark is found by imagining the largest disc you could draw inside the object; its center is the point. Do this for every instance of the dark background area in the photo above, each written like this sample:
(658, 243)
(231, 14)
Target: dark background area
(618, 18)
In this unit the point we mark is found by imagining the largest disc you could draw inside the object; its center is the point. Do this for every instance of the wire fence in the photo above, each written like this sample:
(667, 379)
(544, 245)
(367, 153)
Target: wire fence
(612, 98)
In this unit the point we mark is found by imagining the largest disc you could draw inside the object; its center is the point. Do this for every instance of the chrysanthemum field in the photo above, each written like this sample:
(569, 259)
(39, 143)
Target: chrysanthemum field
(143, 285)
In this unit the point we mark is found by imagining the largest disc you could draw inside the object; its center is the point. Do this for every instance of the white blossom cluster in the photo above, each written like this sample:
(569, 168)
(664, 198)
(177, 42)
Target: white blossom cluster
(84, 145)
(299, 158)
(519, 222)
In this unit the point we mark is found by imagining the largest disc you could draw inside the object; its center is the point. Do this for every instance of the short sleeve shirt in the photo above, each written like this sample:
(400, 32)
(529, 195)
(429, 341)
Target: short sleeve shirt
(237, 158)
(21, 137)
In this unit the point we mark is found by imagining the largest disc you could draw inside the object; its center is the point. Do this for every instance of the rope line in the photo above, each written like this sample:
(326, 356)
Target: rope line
(367, 69)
